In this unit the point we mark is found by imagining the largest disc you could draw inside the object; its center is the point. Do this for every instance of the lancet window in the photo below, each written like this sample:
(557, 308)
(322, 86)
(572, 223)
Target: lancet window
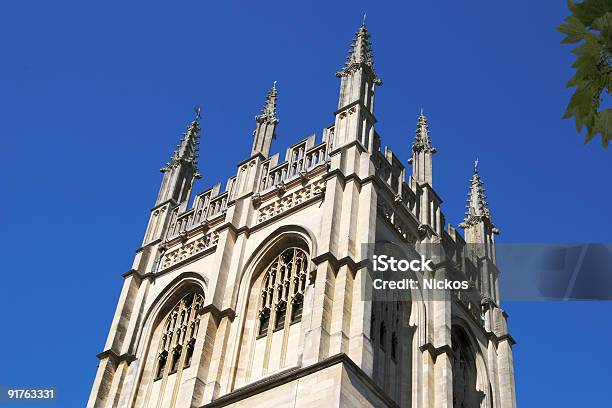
(178, 337)
(282, 292)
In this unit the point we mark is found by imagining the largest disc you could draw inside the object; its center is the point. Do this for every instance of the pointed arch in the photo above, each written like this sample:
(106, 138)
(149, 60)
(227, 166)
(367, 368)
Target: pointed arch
(243, 299)
(154, 320)
(471, 383)
(180, 286)
(178, 331)
(263, 254)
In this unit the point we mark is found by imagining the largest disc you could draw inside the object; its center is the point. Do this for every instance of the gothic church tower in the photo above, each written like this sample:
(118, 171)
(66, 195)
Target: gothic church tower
(253, 296)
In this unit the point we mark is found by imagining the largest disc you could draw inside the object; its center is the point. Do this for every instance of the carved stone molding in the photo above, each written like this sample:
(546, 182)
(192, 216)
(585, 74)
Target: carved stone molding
(291, 200)
(294, 374)
(470, 304)
(425, 231)
(436, 351)
(280, 188)
(304, 176)
(256, 199)
(116, 358)
(387, 211)
(190, 249)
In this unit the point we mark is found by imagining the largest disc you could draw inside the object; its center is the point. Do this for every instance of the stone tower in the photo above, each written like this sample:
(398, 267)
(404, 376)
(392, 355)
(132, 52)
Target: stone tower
(253, 296)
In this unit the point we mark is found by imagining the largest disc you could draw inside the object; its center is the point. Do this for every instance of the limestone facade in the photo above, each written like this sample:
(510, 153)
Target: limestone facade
(252, 297)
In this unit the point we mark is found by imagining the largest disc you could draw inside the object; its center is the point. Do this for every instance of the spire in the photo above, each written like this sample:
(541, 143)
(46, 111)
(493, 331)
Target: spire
(268, 111)
(265, 130)
(477, 207)
(422, 152)
(182, 169)
(360, 54)
(422, 141)
(187, 150)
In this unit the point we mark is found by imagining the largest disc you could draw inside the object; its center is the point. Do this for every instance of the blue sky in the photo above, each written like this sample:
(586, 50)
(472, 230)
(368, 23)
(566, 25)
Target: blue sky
(93, 98)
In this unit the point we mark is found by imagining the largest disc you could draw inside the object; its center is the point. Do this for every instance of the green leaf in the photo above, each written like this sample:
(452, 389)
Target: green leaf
(574, 30)
(603, 126)
(603, 23)
(590, 25)
(589, 10)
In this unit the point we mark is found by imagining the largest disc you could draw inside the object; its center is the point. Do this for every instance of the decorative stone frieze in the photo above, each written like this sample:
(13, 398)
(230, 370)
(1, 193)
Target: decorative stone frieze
(390, 215)
(291, 200)
(190, 249)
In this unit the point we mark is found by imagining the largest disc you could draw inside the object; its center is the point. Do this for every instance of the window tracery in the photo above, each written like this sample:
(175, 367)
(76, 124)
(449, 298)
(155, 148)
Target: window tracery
(383, 335)
(465, 393)
(394, 346)
(372, 326)
(282, 292)
(177, 341)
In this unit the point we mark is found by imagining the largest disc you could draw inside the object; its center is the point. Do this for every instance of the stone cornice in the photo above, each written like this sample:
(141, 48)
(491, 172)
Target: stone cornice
(149, 244)
(116, 358)
(504, 337)
(252, 157)
(217, 314)
(337, 263)
(355, 143)
(287, 376)
(431, 189)
(361, 105)
(437, 351)
(137, 275)
(170, 201)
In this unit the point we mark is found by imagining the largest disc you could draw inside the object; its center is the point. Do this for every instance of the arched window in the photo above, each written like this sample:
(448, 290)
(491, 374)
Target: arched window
(383, 335)
(391, 337)
(281, 314)
(178, 338)
(393, 346)
(372, 326)
(297, 308)
(282, 292)
(189, 354)
(161, 364)
(465, 393)
(176, 358)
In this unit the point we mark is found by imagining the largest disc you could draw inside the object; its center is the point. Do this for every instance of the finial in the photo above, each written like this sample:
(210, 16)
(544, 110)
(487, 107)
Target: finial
(422, 141)
(268, 111)
(187, 149)
(360, 54)
(477, 206)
